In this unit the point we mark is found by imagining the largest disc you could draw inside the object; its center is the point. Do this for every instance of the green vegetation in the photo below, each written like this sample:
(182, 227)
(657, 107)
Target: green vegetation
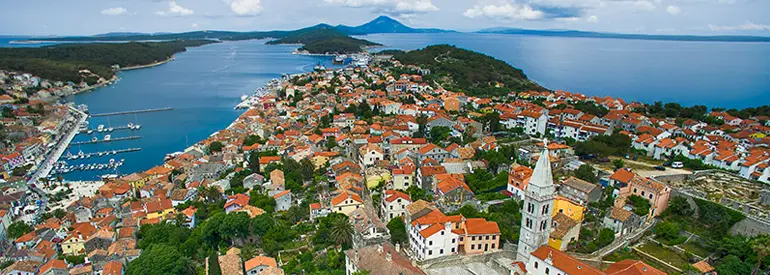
(474, 73)
(323, 39)
(641, 205)
(507, 215)
(604, 145)
(215, 146)
(591, 240)
(397, 230)
(587, 173)
(482, 181)
(18, 229)
(63, 62)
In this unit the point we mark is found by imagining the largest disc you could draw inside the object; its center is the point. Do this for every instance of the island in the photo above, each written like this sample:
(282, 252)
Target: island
(324, 39)
(90, 62)
(459, 69)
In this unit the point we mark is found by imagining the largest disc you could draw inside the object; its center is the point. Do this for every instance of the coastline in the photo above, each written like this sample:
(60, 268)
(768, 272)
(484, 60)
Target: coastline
(136, 67)
(115, 78)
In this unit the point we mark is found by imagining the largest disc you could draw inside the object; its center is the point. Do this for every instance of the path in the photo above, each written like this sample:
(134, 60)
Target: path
(618, 243)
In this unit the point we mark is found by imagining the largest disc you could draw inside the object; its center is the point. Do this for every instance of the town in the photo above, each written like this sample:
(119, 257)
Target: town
(371, 169)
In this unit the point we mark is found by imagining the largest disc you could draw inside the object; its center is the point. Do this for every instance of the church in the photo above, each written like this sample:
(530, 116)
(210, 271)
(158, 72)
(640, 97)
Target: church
(534, 255)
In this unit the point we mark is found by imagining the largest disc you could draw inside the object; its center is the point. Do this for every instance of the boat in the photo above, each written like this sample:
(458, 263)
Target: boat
(100, 128)
(90, 131)
(170, 156)
(95, 139)
(110, 129)
(340, 59)
(107, 137)
(244, 97)
(136, 127)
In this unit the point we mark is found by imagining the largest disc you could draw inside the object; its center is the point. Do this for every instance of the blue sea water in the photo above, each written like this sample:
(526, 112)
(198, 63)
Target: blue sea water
(204, 83)
(715, 74)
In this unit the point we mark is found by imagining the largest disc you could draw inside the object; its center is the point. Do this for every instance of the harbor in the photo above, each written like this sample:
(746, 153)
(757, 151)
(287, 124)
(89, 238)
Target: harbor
(107, 138)
(133, 112)
(81, 155)
(102, 128)
(62, 167)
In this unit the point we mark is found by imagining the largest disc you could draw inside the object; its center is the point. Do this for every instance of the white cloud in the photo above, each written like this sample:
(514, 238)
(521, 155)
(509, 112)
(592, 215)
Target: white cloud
(506, 11)
(175, 9)
(194, 25)
(395, 7)
(673, 10)
(245, 7)
(748, 26)
(115, 11)
(592, 19)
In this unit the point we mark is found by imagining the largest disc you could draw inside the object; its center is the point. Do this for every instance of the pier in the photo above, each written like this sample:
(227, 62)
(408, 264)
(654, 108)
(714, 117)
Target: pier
(126, 127)
(102, 154)
(133, 112)
(103, 141)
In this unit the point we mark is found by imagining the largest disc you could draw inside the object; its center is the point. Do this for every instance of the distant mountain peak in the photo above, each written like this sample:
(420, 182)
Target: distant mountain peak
(383, 24)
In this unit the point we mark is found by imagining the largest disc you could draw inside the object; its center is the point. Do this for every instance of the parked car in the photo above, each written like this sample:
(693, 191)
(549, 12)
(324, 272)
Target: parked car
(677, 164)
(660, 168)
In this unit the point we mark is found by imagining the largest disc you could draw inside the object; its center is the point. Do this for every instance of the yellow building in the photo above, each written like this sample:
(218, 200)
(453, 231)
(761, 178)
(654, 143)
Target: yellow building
(346, 203)
(569, 208)
(75, 242)
(136, 180)
(159, 209)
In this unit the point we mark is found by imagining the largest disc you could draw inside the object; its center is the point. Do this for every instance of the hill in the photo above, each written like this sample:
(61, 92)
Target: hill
(474, 73)
(324, 39)
(584, 34)
(62, 62)
(383, 24)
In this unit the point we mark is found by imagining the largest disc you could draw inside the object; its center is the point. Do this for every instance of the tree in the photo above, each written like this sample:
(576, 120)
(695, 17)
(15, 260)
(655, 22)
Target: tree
(263, 201)
(261, 224)
(397, 230)
(160, 260)
(331, 142)
(641, 205)
(341, 231)
(235, 225)
(618, 163)
(214, 268)
(18, 229)
(215, 147)
(587, 173)
(417, 193)
(669, 232)
(469, 211)
(439, 134)
(761, 245)
(732, 265)
(678, 206)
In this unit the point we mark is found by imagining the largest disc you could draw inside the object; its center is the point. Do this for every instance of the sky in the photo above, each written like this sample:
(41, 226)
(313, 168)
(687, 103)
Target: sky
(88, 17)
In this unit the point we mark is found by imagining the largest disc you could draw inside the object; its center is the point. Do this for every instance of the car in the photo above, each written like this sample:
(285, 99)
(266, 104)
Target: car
(660, 168)
(677, 164)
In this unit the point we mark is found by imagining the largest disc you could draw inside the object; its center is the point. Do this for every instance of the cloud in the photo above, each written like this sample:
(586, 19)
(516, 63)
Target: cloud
(507, 11)
(245, 7)
(673, 10)
(392, 7)
(175, 9)
(592, 19)
(748, 26)
(194, 25)
(115, 11)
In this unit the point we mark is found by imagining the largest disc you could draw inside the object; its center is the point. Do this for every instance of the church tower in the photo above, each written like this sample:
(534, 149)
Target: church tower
(537, 207)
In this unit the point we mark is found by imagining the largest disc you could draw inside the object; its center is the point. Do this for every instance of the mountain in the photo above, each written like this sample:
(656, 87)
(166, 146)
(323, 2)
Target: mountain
(384, 24)
(585, 34)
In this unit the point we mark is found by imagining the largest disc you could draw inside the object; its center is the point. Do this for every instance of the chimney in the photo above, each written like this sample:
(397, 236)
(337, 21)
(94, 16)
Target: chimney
(549, 259)
(398, 247)
(355, 255)
(379, 248)
(388, 257)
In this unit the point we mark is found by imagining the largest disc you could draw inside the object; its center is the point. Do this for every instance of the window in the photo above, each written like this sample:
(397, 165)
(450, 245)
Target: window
(430, 243)
(473, 238)
(340, 208)
(643, 194)
(442, 233)
(494, 237)
(547, 270)
(535, 265)
(650, 196)
(453, 241)
(487, 238)
(461, 238)
(493, 246)
(634, 190)
(430, 252)
(453, 250)
(473, 246)
(441, 251)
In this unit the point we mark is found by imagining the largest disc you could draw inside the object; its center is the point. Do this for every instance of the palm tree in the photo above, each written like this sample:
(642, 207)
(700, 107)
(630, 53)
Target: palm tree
(341, 231)
(761, 245)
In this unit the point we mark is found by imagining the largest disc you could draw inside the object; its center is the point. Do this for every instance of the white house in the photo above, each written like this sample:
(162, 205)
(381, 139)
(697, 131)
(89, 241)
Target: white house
(431, 236)
(394, 204)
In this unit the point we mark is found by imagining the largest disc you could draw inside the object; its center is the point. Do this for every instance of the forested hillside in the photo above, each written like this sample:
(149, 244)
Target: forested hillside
(463, 70)
(62, 62)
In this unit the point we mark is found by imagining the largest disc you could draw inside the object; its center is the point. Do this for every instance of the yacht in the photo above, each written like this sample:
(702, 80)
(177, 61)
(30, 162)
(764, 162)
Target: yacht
(107, 137)
(100, 128)
(244, 97)
(95, 139)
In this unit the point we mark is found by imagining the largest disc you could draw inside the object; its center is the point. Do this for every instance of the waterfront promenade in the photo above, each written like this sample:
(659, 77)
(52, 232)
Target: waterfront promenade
(47, 165)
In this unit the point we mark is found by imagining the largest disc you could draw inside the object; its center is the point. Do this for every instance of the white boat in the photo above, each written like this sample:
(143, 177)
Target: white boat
(90, 132)
(110, 129)
(244, 97)
(100, 128)
(107, 137)
(136, 127)
(94, 139)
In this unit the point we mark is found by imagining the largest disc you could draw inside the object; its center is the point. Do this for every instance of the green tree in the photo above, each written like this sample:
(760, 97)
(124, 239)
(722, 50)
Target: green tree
(215, 147)
(213, 260)
(160, 260)
(678, 206)
(397, 230)
(669, 232)
(587, 173)
(439, 134)
(263, 201)
(417, 193)
(261, 224)
(761, 246)
(641, 205)
(18, 229)
(341, 231)
(732, 265)
(235, 225)
(618, 163)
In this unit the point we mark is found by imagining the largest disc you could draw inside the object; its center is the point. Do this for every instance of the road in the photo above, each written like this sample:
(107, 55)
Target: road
(61, 146)
(654, 172)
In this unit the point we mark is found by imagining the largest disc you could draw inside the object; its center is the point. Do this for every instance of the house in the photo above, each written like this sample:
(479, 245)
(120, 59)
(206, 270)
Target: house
(54, 267)
(394, 204)
(547, 260)
(568, 207)
(259, 264)
(231, 264)
(253, 180)
(704, 268)
(433, 235)
(267, 160)
(318, 211)
(113, 268)
(621, 221)
(22, 268)
(346, 202)
(370, 153)
(433, 152)
(580, 191)
(236, 202)
(477, 235)
(566, 230)
(452, 190)
(74, 243)
(655, 192)
(518, 178)
(379, 259)
(159, 209)
(283, 200)
(402, 178)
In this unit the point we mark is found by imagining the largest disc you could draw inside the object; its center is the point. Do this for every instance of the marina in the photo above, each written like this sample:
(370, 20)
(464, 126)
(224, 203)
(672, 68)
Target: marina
(62, 167)
(101, 128)
(107, 138)
(81, 155)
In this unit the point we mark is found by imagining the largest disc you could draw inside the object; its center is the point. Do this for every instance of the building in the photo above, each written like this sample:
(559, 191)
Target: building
(628, 183)
(236, 202)
(547, 260)
(566, 230)
(434, 235)
(394, 204)
(283, 200)
(259, 264)
(580, 191)
(536, 212)
(402, 178)
(621, 221)
(380, 259)
(518, 178)
(346, 202)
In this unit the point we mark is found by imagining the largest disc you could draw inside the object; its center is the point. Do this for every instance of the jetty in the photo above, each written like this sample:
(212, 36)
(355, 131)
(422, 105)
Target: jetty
(101, 154)
(91, 131)
(103, 141)
(133, 112)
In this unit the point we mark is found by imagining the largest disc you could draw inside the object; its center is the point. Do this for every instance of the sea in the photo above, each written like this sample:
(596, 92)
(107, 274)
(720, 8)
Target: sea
(203, 84)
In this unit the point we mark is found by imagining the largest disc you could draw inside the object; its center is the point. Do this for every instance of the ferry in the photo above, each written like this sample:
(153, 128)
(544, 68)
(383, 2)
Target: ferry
(171, 156)
(340, 59)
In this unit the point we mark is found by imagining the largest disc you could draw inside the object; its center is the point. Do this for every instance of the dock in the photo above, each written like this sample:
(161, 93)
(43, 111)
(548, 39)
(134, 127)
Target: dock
(102, 154)
(85, 131)
(104, 141)
(133, 112)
